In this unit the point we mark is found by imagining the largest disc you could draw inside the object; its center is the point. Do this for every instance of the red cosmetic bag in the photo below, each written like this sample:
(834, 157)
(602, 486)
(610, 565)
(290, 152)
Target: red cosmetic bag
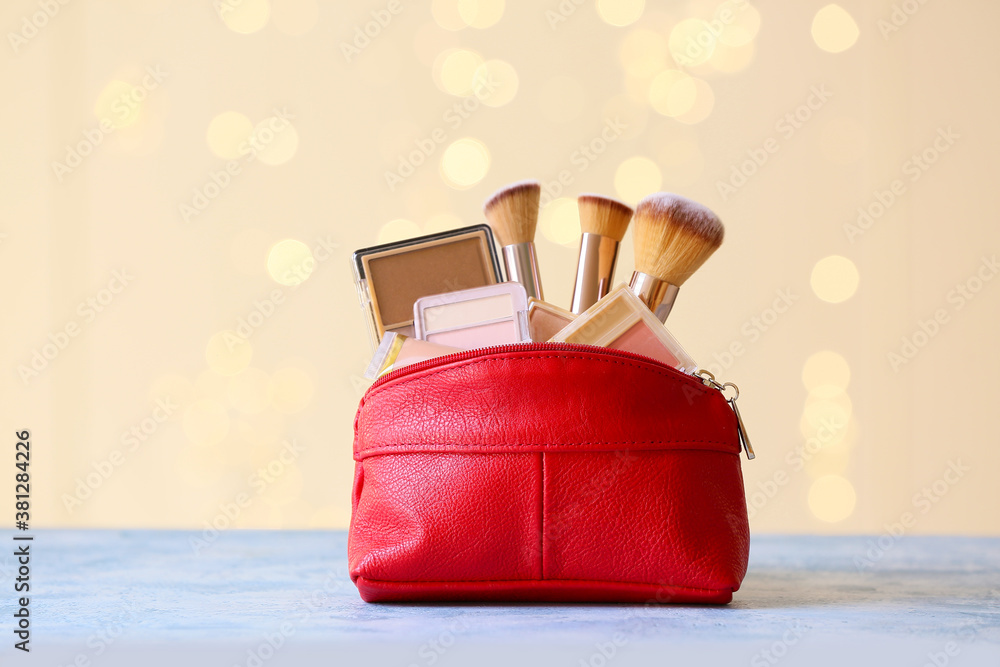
(546, 472)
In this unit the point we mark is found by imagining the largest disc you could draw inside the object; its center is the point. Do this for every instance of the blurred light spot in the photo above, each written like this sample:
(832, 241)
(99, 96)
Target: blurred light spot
(634, 116)
(397, 230)
(692, 42)
(495, 83)
(448, 15)
(833, 29)
(440, 222)
(681, 161)
(248, 251)
(247, 391)
(730, 59)
(672, 92)
(464, 163)
(701, 108)
(481, 13)
(826, 374)
(173, 388)
(834, 459)
(277, 140)
(834, 279)
(245, 16)
(637, 177)
(455, 71)
(206, 422)
(561, 99)
(210, 384)
(295, 17)
(118, 104)
(559, 221)
(832, 498)
(643, 53)
(227, 132)
(227, 353)
(843, 141)
(620, 12)
(290, 390)
(829, 413)
(290, 262)
(744, 25)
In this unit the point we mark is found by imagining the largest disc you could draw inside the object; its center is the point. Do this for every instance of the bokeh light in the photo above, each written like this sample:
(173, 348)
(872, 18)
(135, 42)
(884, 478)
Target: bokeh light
(206, 422)
(730, 59)
(480, 14)
(295, 17)
(464, 163)
(278, 140)
(455, 71)
(672, 92)
(397, 230)
(826, 374)
(692, 42)
(829, 413)
(832, 498)
(643, 53)
(834, 279)
(247, 391)
(637, 177)
(743, 27)
(290, 262)
(495, 83)
(448, 15)
(620, 12)
(227, 134)
(559, 221)
(245, 17)
(116, 97)
(702, 105)
(834, 29)
(227, 353)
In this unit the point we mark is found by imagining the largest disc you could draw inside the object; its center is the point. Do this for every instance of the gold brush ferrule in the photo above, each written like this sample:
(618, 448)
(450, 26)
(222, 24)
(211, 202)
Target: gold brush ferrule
(595, 270)
(658, 295)
(522, 267)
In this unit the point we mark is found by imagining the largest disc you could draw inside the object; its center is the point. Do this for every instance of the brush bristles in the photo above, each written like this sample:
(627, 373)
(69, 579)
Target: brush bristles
(674, 236)
(513, 212)
(604, 216)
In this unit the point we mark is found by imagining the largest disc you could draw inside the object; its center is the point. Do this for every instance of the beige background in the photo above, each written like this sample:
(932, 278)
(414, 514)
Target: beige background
(321, 181)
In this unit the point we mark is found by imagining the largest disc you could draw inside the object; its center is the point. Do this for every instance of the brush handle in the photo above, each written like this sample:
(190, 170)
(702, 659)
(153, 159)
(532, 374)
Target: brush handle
(522, 267)
(595, 270)
(658, 295)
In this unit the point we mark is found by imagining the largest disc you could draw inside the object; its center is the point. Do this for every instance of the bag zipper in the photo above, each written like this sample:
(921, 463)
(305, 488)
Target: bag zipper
(703, 376)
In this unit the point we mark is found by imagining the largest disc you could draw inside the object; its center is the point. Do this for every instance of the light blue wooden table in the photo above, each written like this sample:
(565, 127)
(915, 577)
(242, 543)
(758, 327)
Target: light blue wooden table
(252, 598)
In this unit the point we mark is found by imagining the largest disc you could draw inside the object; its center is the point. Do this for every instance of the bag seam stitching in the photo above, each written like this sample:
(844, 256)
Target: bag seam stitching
(524, 581)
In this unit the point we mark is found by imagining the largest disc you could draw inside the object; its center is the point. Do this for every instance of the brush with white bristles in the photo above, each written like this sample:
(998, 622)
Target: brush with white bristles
(603, 222)
(673, 237)
(513, 214)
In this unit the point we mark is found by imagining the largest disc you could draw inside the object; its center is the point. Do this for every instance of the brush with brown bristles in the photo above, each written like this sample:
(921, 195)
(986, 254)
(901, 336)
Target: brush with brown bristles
(513, 214)
(603, 222)
(673, 237)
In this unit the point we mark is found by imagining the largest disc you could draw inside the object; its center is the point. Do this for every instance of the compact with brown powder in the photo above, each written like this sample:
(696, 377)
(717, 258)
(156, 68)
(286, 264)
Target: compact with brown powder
(392, 276)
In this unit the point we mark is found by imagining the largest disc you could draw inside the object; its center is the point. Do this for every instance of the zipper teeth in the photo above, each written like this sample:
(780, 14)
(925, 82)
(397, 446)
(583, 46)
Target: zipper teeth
(522, 347)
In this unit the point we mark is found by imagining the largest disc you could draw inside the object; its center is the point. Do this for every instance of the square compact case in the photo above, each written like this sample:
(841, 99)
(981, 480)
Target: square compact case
(474, 318)
(391, 277)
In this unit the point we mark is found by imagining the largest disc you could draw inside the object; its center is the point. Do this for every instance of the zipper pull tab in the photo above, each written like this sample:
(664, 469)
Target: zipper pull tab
(709, 379)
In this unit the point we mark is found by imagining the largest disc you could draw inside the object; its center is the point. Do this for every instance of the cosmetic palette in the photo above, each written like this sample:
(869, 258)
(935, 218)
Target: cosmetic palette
(545, 320)
(396, 351)
(623, 322)
(391, 277)
(474, 318)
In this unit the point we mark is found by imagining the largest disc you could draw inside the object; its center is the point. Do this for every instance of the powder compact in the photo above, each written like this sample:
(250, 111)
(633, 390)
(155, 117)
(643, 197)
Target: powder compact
(474, 318)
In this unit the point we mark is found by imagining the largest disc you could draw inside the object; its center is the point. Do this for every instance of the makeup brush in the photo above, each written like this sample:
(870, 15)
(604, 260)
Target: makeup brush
(513, 214)
(603, 222)
(673, 237)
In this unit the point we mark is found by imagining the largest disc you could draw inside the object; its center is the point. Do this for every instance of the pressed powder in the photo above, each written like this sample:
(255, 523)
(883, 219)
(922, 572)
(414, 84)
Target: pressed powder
(391, 277)
(546, 320)
(473, 318)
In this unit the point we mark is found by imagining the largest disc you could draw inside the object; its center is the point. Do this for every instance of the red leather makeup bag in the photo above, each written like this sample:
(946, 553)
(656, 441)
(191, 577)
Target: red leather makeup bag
(546, 472)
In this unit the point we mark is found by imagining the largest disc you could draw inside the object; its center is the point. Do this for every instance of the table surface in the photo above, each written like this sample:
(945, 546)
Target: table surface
(257, 598)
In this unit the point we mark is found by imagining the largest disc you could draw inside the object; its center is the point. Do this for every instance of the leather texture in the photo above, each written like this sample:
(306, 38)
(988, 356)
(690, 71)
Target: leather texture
(547, 473)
